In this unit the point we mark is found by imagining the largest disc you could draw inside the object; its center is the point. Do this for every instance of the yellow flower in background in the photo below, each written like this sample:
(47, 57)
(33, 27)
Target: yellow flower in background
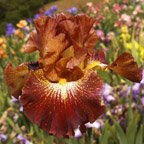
(19, 33)
(125, 36)
(124, 29)
(2, 41)
(139, 49)
(3, 53)
(132, 44)
(22, 49)
(142, 54)
(22, 23)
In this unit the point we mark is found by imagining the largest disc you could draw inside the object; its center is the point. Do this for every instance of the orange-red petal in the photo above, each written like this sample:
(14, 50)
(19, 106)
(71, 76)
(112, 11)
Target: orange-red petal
(33, 43)
(60, 108)
(16, 77)
(50, 42)
(126, 67)
(80, 32)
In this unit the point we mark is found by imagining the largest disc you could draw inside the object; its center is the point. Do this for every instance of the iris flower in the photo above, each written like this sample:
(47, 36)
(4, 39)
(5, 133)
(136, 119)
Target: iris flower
(62, 90)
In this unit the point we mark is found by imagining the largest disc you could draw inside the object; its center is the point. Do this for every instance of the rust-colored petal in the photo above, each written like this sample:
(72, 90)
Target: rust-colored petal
(50, 43)
(16, 77)
(60, 108)
(99, 55)
(91, 42)
(33, 43)
(79, 30)
(52, 38)
(126, 67)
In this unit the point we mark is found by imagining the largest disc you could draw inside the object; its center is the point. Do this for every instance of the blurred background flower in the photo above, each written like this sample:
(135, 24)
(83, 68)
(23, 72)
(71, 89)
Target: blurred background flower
(72, 10)
(10, 29)
(51, 11)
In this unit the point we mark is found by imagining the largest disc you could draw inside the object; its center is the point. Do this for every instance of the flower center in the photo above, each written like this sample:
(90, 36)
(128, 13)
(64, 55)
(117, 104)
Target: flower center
(62, 81)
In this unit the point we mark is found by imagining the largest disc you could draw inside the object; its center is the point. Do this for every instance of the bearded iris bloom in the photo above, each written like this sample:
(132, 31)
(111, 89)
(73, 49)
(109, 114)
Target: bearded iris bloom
(62, 90)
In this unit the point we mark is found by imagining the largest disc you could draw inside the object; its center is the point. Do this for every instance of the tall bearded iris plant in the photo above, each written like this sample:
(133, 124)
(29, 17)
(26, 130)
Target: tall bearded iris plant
(62, 90)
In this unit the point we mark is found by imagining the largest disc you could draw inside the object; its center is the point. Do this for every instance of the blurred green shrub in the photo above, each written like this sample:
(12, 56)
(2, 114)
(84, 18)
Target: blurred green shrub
(12, 11)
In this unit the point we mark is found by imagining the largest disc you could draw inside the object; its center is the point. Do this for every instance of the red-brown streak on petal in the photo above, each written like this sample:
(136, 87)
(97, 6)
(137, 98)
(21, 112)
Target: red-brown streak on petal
(16, 77)
(85, 23)
(91, 42)
(100, 56)
(60, 108)
(126, 67)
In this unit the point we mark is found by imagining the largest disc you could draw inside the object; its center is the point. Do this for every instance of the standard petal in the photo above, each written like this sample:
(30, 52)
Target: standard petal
(80, 31)
(32, 44)
(60, 108)
(16, 77)
(126, 67)
(51, 42)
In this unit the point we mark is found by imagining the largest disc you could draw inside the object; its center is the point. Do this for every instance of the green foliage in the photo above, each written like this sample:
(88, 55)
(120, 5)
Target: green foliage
(116, 135)
(12, 11)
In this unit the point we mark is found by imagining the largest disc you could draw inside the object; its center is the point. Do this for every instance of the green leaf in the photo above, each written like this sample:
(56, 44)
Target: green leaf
(120, 133)
(140, 134)
(132, 128)
(106, 134)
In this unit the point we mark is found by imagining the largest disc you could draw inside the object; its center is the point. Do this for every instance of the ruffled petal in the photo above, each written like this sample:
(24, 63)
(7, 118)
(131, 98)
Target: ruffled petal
(80, 31)
(60, 108)
(16, 77)
(99, 55)
(32, 44)
(59, 35)
(126, 67)
(51, 41)
(51, 44)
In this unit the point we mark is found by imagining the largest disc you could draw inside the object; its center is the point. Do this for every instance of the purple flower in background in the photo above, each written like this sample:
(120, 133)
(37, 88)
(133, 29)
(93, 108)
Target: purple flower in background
(23, 140)
(10, 29)
(107, 93)
(3, 137)
(78, 133)
(51, 11)
(21, 108)
(72, 10)
(136, 90)
(118, 110)
(54, 8)
(100, 34)
(125, 90)
(29, 20)
(48, 13)
(142, 81)
(13, 99)
(26, 30)
(96, 125)
(36, 16)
